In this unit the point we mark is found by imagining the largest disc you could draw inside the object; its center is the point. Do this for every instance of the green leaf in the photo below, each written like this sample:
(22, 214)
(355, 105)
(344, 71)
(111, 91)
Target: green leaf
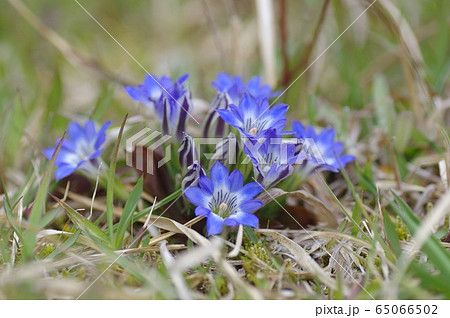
(159, 204)
(391, 234)
(65, 245)
(403, 131)
(29, 243)
(384, 106)
(103, 102)
(356, 215)
(55, 95)
(367, 179)
(111, 183)
(82, 223)
(433, 282)
(12, 219)
(127, 214)
(436, 253)
(15, 133)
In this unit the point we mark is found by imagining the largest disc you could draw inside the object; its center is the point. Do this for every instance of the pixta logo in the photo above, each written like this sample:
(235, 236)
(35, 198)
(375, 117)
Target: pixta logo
(147, 145)
(148, 141)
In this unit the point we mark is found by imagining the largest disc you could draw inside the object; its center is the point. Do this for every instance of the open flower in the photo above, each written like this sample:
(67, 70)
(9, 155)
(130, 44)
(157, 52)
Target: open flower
(235, 87)
(151, 89)
(82, 146)
(253, 116)
(320, 150)
(272, 157)
(224, 200)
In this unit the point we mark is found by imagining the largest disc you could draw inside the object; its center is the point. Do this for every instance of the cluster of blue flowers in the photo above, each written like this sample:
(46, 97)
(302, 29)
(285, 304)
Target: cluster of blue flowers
(240, 108)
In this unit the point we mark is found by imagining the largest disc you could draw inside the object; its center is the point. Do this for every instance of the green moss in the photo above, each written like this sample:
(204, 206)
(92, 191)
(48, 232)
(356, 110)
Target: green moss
(46, 250)
(221, 283)
(402, 231)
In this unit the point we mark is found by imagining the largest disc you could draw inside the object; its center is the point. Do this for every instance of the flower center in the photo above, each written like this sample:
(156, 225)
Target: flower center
(223, 203)
(253, 131)
(223, 207)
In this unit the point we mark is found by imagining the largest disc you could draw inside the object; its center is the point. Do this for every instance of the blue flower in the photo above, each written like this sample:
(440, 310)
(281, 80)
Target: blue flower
(214, 126)
(253, 116)
(272, 157)
(173, 109)
(151, 89)
(187, 153)
(171, 100)
(224, 200)
(193, 174)
(321, 150)
(235, 87)
(81, 147)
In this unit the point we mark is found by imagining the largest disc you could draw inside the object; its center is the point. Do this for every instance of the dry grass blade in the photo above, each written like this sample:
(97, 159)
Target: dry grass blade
(227, 269)
(303, 258)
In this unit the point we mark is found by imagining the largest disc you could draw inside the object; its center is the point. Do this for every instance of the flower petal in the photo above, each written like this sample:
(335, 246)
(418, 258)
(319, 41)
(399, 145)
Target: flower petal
(246, 219)
(299, 129)
(230, 117)
(219, 177)
(48, 153)
(75, 131)
(201, 211)
(135, 93)
(89, 130)
(101, 135)
(206, 184)
(250, 206)
(196, 196)
(214, 224)
(64, 171)
(249, 107)
(249, 191)
(236, 180)
(346, 159)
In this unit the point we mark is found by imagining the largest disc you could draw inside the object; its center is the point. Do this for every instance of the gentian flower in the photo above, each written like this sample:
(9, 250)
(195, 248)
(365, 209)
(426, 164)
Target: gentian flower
(79, 150)
(235, 87)
(253, 116)
(151, 89)
(171, 100)
(193, 174)
(187, 153)
(322, 151)
(272, 158)
(224, 200)
(226, 150)
(214, 125)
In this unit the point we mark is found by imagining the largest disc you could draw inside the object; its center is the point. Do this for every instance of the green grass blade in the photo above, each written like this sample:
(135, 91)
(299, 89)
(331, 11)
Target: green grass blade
(65, 245)
(392, 235)
(159, 204)
(29, 243)
(82, 223)
(111, 183)
(436, 253)
(127, 213)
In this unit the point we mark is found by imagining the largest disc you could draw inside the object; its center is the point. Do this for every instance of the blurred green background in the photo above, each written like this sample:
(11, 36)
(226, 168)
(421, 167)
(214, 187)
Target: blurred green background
(384, 67)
